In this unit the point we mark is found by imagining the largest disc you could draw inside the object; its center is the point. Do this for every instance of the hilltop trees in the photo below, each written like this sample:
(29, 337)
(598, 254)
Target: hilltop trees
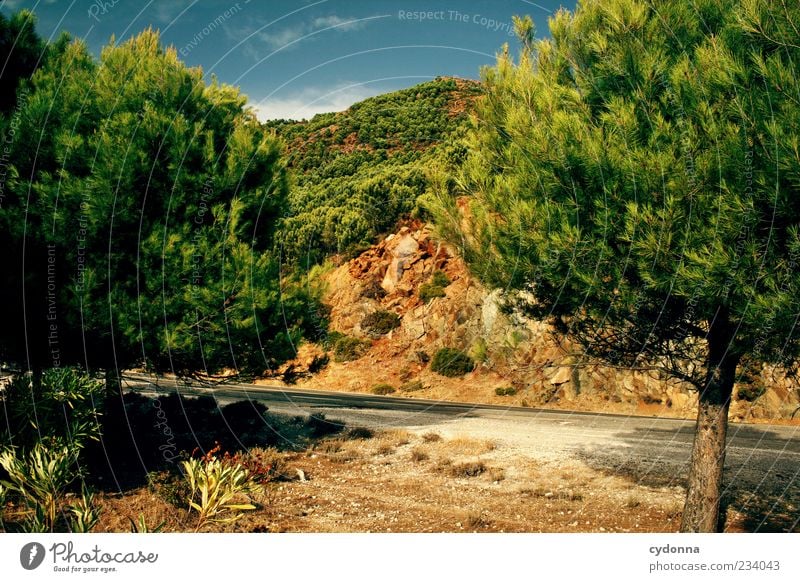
(637, 177)
(142, 205)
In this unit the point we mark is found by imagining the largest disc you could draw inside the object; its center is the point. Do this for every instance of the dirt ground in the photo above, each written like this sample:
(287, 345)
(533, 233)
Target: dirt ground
(404, 481)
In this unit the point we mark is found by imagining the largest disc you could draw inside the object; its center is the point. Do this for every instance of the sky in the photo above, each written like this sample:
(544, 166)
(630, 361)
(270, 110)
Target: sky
(294, 59)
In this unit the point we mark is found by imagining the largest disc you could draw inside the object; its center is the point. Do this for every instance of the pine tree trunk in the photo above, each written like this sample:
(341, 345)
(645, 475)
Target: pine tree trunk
(701, 510)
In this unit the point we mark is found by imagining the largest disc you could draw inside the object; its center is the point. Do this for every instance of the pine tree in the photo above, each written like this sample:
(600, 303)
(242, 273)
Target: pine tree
(636, 176)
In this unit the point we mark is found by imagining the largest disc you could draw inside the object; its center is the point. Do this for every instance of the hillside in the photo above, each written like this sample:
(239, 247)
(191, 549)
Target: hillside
(359, 171)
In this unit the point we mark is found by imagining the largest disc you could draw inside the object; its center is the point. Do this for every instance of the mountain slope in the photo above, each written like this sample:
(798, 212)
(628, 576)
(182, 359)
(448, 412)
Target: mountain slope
(359, 171)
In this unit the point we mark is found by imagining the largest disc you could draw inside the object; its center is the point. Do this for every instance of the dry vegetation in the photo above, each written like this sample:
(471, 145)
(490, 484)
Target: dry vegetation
(402, 481)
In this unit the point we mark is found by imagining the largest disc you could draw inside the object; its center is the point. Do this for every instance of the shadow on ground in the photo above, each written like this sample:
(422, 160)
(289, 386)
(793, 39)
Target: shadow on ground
(761, 491)
(143, 435)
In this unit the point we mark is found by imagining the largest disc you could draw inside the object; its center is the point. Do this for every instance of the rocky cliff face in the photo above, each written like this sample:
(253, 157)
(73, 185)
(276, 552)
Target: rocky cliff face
(516, 354)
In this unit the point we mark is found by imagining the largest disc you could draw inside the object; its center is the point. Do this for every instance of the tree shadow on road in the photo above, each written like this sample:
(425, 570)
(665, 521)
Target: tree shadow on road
(761, 485)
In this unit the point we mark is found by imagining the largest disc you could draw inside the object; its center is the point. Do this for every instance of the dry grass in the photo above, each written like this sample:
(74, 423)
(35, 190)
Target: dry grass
(470, 469)
(419, 455)
(431, 437)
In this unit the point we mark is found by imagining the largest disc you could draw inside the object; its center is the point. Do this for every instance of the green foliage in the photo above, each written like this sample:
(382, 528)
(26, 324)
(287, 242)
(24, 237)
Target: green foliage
(636, 173)
(434, 287)
(151, 240)
(383, 389)
(380, 322)
(359, 171)
(58, 406)
(508, 391)
(451, 362)
(20, 52)
(348, 348)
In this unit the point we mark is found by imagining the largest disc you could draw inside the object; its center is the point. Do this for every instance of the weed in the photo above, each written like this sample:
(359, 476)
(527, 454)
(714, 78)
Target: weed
(476, 521)
(140, 525)
(431, 437)
(510, 391)
(418, 455)
(469, 469)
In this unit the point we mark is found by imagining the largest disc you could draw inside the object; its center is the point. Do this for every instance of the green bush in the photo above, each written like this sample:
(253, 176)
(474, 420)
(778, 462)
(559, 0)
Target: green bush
(349, 348)
(451, 363)
(60, 406)
(510, 391)
(434, 287)
(383, 389)
(380, 322)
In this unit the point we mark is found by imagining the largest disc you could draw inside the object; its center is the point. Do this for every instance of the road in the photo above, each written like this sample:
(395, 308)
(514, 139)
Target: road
(761, 459)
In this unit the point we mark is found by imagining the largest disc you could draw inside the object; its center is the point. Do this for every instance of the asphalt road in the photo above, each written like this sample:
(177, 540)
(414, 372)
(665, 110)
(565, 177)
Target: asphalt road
(545, 432)
(762, 467)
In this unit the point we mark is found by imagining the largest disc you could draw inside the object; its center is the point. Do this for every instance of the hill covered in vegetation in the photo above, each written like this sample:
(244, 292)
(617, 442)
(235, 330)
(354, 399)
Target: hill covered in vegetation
(359, 171)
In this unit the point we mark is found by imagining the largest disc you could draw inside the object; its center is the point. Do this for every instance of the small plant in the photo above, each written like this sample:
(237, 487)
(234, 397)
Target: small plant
(418, 455)
(434, 287)
(214, 486)
(470, 469)
(431, 437)
(40, 478)
(383, 389)
(452, 363)
(140, 525)
(379, 323)
(318, 363)
(360, 433)
(509, 391)
(413, 386)
(373, 290)
(83, 515)
(320, 426)
(348, 348)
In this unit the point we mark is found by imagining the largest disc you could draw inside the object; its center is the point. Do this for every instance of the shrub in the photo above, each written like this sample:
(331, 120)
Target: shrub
(509, 391)
(470, 469)
(431, 437)
(349, 348)
(412, 386)
(360, 432)
(214, 485)
(40, 478)
(380, 323)
(434, 287)
(418, 455)
(383, 389)
(451, 363)
(58, 406)
(373, 290)
(320, 426)
(318, 363)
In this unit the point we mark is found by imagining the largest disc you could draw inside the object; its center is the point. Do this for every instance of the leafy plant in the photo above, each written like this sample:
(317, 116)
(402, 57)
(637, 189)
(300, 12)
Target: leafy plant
(214, 487)
(508, 391)
(140, 525)
(83, 515)
(451, 363)
(58, 406)
(380, 322)
(40, 478)
(412, 386)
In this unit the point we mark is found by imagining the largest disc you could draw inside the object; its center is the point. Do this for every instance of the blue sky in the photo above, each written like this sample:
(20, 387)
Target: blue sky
(297, 58)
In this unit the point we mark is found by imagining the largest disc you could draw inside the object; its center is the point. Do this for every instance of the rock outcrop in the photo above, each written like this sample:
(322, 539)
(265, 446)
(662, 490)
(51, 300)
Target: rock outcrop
(511, 352)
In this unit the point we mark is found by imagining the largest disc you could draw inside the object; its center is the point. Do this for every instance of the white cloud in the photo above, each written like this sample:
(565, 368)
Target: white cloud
(313, 100)
(290, 34)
